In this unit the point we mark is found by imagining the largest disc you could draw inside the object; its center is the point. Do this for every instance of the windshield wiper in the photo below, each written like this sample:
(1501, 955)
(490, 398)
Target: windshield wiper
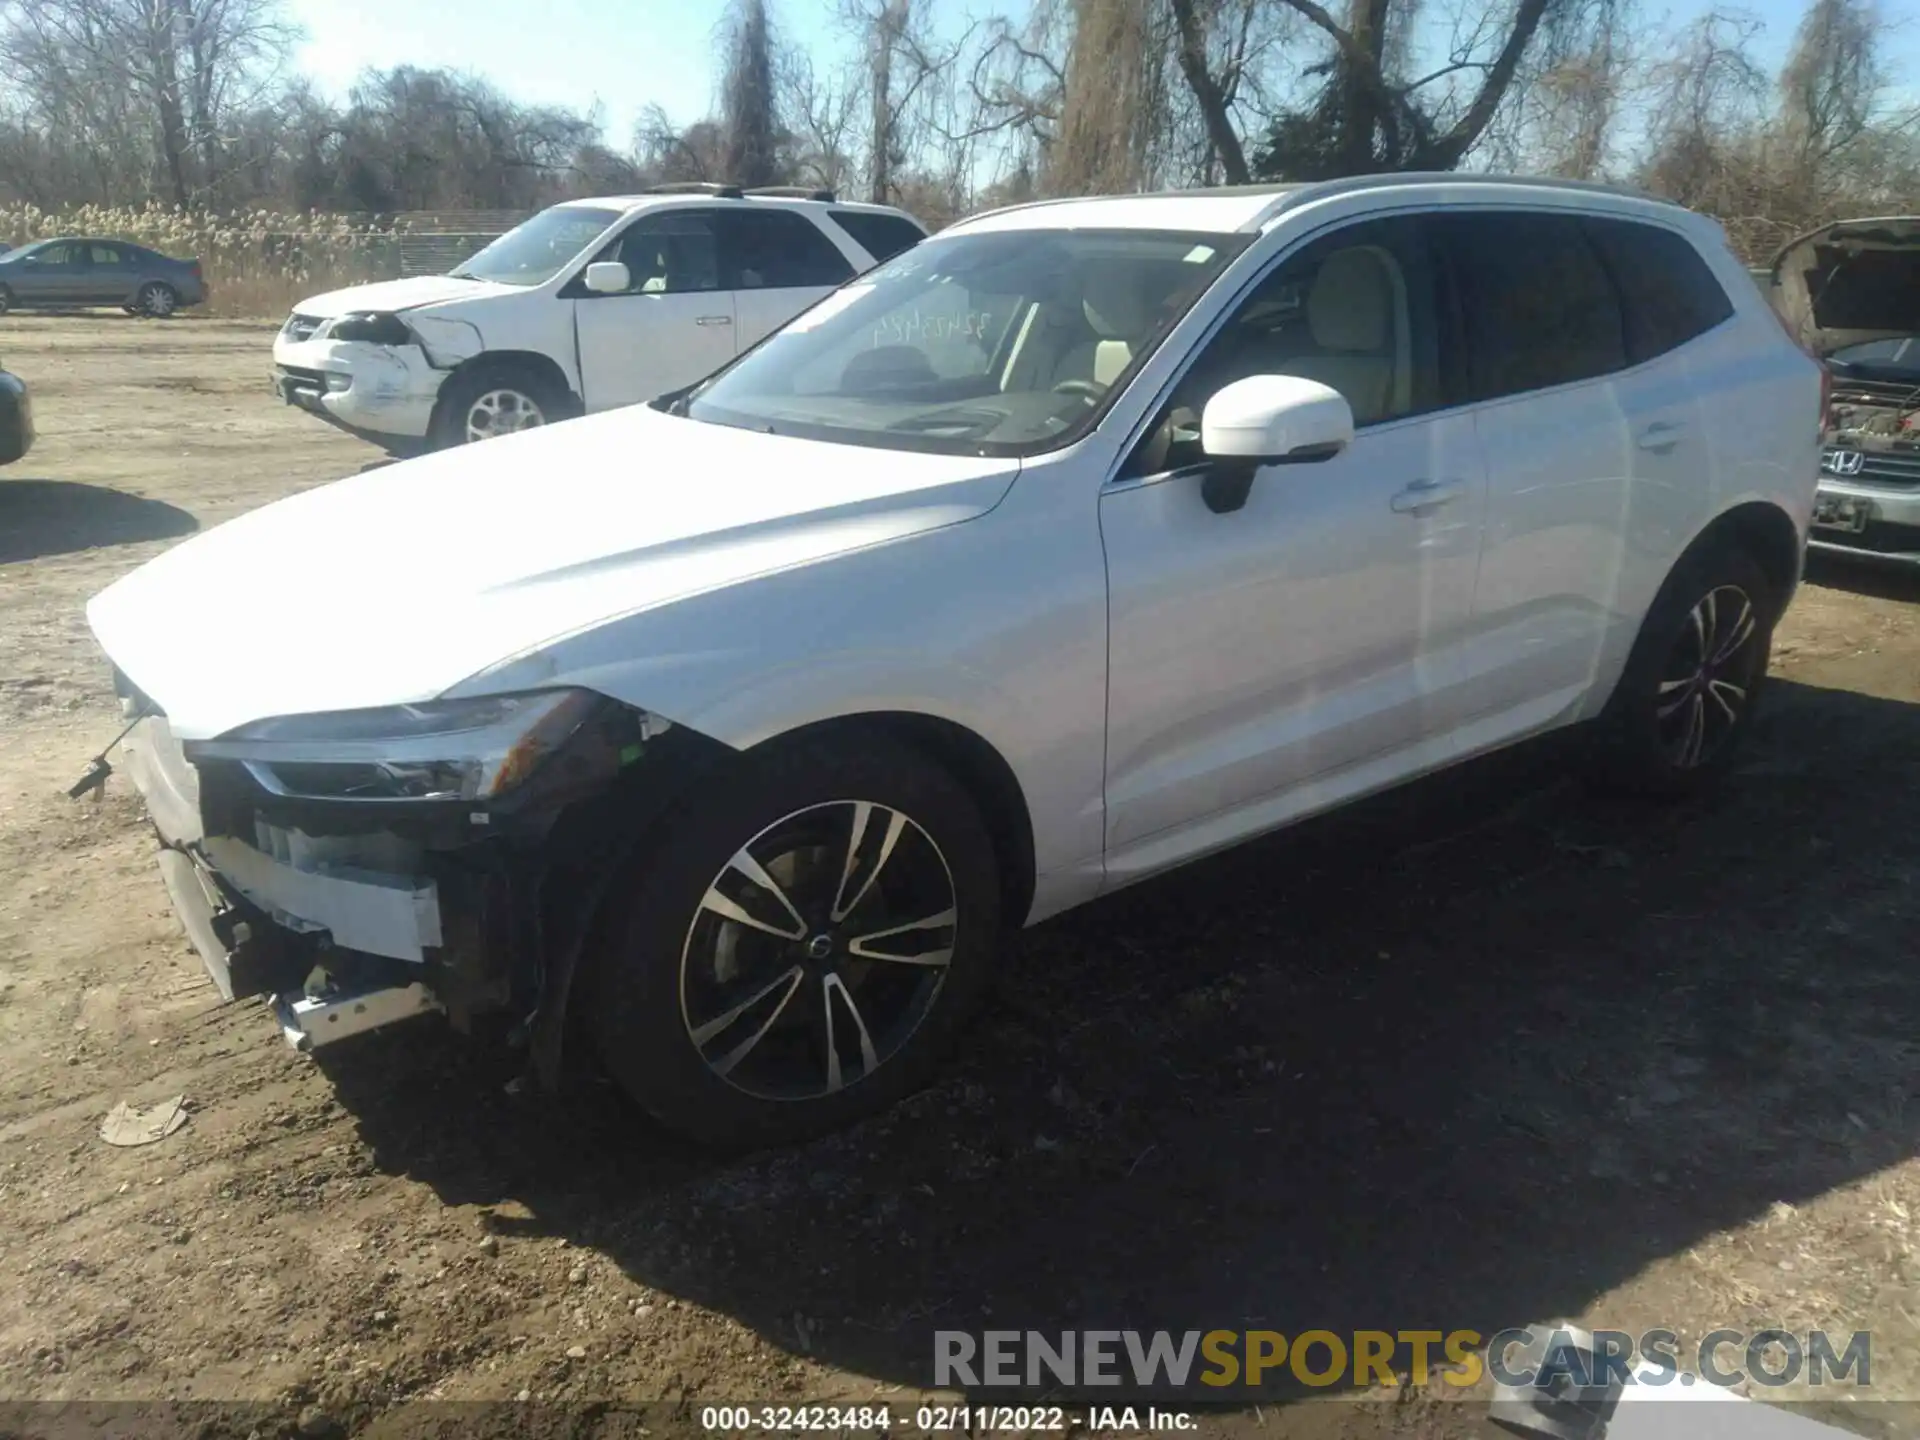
(461, 275)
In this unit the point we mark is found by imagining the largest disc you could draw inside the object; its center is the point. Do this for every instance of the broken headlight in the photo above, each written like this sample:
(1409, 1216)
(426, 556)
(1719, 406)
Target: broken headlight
(372, 326)
(436, 750)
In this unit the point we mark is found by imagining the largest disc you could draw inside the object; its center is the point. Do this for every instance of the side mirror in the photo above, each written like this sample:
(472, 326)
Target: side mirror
(1268, 420)
(608, 277)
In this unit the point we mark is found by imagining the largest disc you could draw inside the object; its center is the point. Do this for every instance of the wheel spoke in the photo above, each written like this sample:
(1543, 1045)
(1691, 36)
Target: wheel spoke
(714, 1028)
(932, 958)
(1741, 632)
(1721, 690)
(862, 815)
(830, 986)
(1696, 735)
(720, 904)
(1703, 626)
(1668, 687)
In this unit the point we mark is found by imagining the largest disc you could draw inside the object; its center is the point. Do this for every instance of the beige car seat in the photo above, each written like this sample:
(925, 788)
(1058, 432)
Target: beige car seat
(1357, 318)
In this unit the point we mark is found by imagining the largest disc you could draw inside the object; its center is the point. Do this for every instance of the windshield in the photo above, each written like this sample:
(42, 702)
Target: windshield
(1005, 343)
(533, 253)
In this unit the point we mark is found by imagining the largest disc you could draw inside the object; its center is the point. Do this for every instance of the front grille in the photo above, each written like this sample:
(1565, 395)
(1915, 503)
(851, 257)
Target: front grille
(297, 378)
(301, 327)
(1884, 468)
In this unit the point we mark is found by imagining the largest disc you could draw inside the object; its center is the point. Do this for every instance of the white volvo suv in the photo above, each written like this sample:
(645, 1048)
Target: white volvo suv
(589, 305)
(1080, 541)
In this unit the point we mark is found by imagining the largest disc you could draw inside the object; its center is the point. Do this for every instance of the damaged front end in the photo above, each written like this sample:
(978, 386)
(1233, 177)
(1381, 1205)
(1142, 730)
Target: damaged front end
(1850, 293)
(365, 867)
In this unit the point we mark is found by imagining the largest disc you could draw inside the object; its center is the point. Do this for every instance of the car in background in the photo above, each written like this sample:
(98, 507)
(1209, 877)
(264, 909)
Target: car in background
(1850, 293)
(16, 418)
(1083, 540)
(588, 305)
(70, 273)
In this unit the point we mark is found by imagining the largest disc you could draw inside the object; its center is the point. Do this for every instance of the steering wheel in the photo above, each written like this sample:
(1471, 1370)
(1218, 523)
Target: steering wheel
(1088, 390)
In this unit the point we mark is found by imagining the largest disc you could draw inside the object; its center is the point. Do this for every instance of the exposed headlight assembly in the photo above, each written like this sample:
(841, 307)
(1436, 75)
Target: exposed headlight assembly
(437, 750)
(375, 327)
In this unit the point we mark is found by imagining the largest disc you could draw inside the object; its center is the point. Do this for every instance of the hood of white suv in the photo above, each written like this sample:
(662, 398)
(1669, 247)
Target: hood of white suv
(399, 583)
(394, 295)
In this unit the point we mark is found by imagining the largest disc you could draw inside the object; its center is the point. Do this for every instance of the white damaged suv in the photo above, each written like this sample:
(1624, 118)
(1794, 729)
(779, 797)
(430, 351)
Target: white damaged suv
(731, 733)
(588, 305)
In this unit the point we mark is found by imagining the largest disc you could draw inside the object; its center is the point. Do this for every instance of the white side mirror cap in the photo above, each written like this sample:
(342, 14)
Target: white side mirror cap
(1276, 418)
(608, 277)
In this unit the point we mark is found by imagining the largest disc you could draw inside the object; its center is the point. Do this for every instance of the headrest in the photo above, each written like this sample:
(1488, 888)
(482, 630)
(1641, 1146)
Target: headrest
(1351, 304)
(1118, 303)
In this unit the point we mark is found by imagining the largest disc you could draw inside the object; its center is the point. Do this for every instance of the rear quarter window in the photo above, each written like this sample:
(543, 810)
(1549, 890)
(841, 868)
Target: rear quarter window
(881, 236)
(1668, 295)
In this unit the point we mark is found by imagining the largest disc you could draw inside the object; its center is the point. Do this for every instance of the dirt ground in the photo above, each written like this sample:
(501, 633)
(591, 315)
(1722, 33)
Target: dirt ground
(1482, 1053)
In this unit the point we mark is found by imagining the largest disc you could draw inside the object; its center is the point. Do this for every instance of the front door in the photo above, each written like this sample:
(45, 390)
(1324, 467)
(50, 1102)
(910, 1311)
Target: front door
(1271, 660)
(673, 325)
(52, 275)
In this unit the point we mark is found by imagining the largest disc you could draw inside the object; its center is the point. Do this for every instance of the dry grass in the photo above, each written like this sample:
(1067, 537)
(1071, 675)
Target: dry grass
(257, 262)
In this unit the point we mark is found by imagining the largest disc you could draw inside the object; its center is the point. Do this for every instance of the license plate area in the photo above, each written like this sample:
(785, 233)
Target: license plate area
(1842, 512)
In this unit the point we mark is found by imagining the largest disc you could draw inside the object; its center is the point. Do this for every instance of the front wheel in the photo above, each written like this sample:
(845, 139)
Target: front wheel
(799, 948)
(492, 400)
(1687, 695)
(157, 301)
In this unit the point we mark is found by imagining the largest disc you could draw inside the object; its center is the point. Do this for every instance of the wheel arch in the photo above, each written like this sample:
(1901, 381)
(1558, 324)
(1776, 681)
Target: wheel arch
(979, 767)
(1765, 531)
(508, 361)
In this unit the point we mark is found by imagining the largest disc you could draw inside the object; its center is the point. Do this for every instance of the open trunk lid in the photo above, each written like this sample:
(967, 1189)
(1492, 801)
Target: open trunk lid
(1850, 282)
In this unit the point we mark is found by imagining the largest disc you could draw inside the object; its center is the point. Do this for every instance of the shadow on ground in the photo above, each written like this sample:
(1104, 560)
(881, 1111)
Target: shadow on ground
(1467, 1056)
(57, 517)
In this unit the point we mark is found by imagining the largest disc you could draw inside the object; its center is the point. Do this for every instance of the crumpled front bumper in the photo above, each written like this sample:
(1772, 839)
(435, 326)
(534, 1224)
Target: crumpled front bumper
(267, 918)
(376, 390)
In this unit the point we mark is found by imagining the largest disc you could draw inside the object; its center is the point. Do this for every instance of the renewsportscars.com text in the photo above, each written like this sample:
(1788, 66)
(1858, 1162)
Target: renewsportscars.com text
(1226, 1359)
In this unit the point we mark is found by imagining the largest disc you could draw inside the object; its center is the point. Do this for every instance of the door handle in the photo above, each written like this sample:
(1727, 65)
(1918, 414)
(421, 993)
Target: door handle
(1424, 495)
(714, 320)
(1661, 436)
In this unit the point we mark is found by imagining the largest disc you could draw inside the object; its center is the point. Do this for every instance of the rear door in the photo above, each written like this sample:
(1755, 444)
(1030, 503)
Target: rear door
(1546, 347)
(673, 325)
(111, 274)
(779, 263)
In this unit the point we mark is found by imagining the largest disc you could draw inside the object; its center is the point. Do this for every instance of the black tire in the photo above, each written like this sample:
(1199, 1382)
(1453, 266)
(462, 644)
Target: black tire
(670, 968)
(1679, 714)
(157, 300)
(520, 389)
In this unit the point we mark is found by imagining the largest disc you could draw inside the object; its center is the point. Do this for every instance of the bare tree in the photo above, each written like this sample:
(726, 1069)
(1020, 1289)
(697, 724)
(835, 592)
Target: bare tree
(1832, 79)
(747, 100)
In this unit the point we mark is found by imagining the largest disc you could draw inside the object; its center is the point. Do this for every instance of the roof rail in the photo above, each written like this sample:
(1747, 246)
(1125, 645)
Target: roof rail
(1326, 189)
(695, 187)
(794, 192)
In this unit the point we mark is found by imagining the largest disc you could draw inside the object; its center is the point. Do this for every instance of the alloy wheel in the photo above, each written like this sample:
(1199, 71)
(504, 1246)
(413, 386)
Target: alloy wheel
(502, 412)
(818, 950)
(157, 301)
(1708, 680)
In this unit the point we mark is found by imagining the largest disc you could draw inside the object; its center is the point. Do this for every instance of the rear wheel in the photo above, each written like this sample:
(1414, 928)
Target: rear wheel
(800, 948)
(1687, 695)
(157, 300)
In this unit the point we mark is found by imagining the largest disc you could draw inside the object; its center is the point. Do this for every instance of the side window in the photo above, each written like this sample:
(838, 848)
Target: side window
(55, 255)
(1537, 305)
(770, 249)
(1668, 295)
(106, 257)
(881, 236)
(672, 252)
(1357, 310)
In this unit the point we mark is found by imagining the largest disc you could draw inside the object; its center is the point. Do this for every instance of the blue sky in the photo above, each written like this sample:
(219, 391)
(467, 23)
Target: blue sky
(626, 54)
